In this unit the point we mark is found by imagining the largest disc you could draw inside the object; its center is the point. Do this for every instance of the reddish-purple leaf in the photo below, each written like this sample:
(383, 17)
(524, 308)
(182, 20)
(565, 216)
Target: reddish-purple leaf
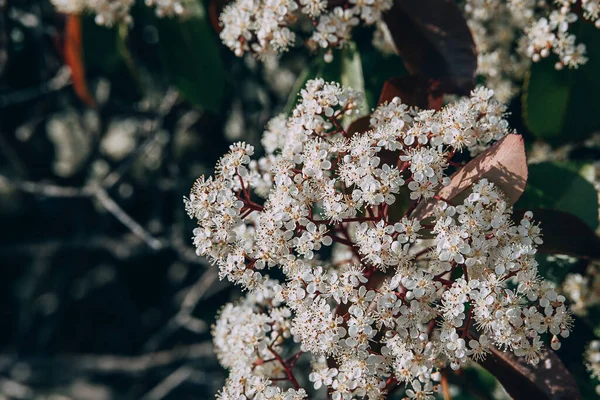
(435, 42)
(361, 125)
(414, 91)
(504, 164)
(548, 380)
(215, 8)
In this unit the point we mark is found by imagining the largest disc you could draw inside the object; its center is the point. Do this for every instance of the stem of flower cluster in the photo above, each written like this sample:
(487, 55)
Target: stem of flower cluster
(340, 240)
(440, 198)
(338, 126)
(287, 367)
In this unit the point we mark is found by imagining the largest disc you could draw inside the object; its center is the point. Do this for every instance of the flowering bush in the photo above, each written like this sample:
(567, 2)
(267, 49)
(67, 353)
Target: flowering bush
(392, 237)
(508, 34)
(385, 282)
(264, 26)
(511, 34)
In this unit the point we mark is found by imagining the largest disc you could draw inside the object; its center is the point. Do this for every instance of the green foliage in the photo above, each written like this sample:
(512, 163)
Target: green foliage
(357, 65)
(189, 52)
(105, 53)
(561, 186)
(474, 383)
(345, 68)
(351, 71)
(553, 268)
(559, 106)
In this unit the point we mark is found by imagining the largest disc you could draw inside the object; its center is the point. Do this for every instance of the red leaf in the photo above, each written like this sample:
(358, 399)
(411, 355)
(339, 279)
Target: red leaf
(413, 91)
(435, 42)
(73, 53)
(361, 125)
(504, 164)
(548, 380)
(215, 7)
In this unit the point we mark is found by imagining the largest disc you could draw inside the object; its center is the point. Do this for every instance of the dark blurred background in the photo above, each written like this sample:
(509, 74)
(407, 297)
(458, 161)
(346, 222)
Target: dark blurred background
(101, 293)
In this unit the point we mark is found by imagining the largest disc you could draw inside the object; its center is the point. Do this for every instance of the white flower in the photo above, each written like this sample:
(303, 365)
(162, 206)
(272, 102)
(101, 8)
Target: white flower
(324, 376)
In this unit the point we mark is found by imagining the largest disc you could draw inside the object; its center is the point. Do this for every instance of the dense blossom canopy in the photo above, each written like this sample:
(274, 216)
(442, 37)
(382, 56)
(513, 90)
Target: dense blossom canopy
(378, 295)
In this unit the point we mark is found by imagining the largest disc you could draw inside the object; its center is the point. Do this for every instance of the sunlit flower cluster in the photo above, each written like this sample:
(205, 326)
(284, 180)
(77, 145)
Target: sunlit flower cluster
(377, 295)
(267, 28)
(511, 34)
(550, 33)
(112, 12)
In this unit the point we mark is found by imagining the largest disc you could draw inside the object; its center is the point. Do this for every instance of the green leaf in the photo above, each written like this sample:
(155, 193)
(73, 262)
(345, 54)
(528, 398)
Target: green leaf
(317, 68)
(559, 106)
(560, 186)
(572, 349)
(474, 383)
(345, 68)
(377, 68)
(311, 71)
(546, 98)
(554, 268)
(105, 54)
(352, 73)
(190, 54)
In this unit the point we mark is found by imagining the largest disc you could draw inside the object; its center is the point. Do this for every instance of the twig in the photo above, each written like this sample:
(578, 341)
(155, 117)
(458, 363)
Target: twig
(112, 207)
(184, 316)
(120, 247)
(167, 385)
(111, 364)
(61, 80)
(51, 190)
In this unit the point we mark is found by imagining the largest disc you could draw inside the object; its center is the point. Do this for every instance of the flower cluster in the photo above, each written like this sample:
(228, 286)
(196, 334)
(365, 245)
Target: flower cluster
(111, 12)
(248, 340)
(511, 34)
(496, 28)
(379, 296)
(270, 27)
(550, 34)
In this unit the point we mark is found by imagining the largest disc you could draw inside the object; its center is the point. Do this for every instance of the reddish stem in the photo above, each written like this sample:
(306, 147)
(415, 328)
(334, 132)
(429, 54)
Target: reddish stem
(293, 359)
(467, 323)
(440, 198)
(338, 126)
(286, 367)
(422, 252)
(341, 240)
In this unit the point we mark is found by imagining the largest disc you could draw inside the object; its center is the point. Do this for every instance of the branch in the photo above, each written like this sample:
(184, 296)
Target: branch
(167, 385)
(112, 207)
(112, 364)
